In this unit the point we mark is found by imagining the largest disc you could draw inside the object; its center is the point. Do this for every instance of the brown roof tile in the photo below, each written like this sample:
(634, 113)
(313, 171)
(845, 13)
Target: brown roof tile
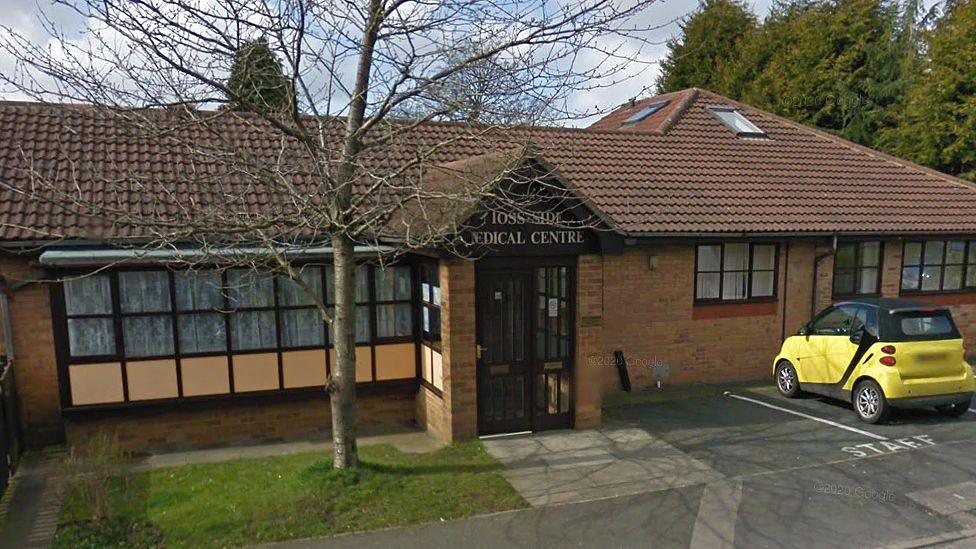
(679, 171)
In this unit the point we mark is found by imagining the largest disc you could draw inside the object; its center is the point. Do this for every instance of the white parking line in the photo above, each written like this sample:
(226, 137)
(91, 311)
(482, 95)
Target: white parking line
(973, 411)
(807, 416)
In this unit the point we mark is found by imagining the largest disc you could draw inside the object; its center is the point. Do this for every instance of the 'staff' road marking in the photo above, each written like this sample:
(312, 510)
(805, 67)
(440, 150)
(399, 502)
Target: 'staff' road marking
(807, 416)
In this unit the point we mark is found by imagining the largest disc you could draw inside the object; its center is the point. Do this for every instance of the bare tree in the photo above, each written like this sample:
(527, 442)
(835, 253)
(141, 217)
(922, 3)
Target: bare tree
(339, 167)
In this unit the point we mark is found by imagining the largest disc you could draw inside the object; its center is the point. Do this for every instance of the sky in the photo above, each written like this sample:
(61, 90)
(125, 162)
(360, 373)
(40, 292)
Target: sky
(22, 16)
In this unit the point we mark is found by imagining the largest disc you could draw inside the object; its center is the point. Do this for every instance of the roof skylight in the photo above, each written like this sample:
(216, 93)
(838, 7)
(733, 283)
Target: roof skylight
(737, 122)
(645, 112)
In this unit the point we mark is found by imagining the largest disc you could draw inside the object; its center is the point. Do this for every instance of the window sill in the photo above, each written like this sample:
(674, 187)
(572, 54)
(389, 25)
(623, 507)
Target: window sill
(951, 297)
(847, 297)
(733, 309)
(732, 302)
(430, 387)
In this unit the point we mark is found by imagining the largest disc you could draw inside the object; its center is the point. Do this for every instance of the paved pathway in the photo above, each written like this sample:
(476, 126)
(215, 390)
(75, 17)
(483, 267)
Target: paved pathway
(575, 466)
(415, 442)
(33, 500)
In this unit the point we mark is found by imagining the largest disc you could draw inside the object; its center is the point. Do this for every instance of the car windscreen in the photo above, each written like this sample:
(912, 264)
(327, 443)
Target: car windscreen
(920, 326)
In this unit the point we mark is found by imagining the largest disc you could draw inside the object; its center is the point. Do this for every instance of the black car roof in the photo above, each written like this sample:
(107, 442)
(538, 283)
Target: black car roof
(892, 303)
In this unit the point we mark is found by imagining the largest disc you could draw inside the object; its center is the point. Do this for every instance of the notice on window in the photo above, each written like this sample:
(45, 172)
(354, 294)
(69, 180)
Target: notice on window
(553, 307)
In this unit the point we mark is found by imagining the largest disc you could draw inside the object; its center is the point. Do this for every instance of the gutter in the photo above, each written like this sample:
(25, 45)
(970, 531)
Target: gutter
(63, 257)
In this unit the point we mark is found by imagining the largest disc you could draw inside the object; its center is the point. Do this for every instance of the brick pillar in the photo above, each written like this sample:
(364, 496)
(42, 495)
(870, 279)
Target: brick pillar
(825, 278)
(589, 336)
(891, 269)
(458, 342)
(35, 364)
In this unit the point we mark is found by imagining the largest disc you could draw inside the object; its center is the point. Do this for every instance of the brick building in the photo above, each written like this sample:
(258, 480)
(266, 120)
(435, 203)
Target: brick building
(722, 229)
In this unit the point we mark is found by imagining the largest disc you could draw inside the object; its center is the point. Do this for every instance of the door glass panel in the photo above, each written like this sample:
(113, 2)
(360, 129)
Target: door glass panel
(564, 393)
(552, 386)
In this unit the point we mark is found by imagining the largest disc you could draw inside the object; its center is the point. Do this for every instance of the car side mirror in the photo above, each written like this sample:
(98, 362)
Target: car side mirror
(804, 330)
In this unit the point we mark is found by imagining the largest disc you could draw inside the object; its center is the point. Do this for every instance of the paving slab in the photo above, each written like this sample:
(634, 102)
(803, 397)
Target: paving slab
(574, 466)
(415, 442)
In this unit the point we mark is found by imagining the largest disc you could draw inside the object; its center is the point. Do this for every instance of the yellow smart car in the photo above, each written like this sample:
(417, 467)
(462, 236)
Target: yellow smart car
(879, 354)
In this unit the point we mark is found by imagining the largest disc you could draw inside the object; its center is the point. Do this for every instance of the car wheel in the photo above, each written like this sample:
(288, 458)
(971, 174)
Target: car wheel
(870, 404)
(786, 380)
(954, 410)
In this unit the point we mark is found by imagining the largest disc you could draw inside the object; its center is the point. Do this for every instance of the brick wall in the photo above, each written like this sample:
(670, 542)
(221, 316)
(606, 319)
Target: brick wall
(35, 364)
(649, 314)
(258, 420)
(454, 414)
(589, 379)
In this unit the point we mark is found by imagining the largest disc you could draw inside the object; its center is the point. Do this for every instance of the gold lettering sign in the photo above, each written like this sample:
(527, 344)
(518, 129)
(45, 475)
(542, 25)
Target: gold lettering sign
(519, 236)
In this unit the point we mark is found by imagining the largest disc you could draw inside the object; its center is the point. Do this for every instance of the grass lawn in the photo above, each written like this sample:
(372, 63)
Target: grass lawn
(297, 496)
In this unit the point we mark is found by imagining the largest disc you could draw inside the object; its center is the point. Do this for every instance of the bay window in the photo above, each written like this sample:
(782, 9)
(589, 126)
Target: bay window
(857, 268)
(735, 271)
(137, 323)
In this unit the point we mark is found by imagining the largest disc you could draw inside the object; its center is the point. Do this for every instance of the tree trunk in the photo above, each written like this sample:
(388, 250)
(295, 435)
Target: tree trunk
(342, 386)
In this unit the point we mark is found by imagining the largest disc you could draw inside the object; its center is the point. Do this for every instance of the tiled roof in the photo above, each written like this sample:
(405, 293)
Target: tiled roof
(680, 171)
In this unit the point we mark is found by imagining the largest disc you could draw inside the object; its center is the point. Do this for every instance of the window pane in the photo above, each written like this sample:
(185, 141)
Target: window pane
(956, 252)
(931, 278)
(250, 289)
(909, 278)
(147, 336)
(362, 324)
(933, 252)
(972, 252)
(707, 285)
(392, 283)
(202, 333)
(91, 336)
(869, 281)
(393, 320)
(302, 328)
(436, 291)
(844, 283)
(293, 293)
(198, 290)
(762, 283)
(845, 256)
(734, 285)
(708, 257)
(253, 330)
(88, 295)
(736, 257)
(913, 253)
(953, 277)
(870, 254)
(764, 257)
(362, 283)
(144, 291)
(971, 276)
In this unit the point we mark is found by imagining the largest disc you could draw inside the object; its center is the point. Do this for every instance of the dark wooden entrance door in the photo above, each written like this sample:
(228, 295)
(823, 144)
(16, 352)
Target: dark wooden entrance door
(525, 349)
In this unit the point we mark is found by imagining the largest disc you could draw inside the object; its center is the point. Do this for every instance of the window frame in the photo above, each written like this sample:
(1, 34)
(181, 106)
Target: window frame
(645, 112)
(65, 359)
(431, 270)
(858, 268)
(750, 271)
(758, 132)
(966, 265)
